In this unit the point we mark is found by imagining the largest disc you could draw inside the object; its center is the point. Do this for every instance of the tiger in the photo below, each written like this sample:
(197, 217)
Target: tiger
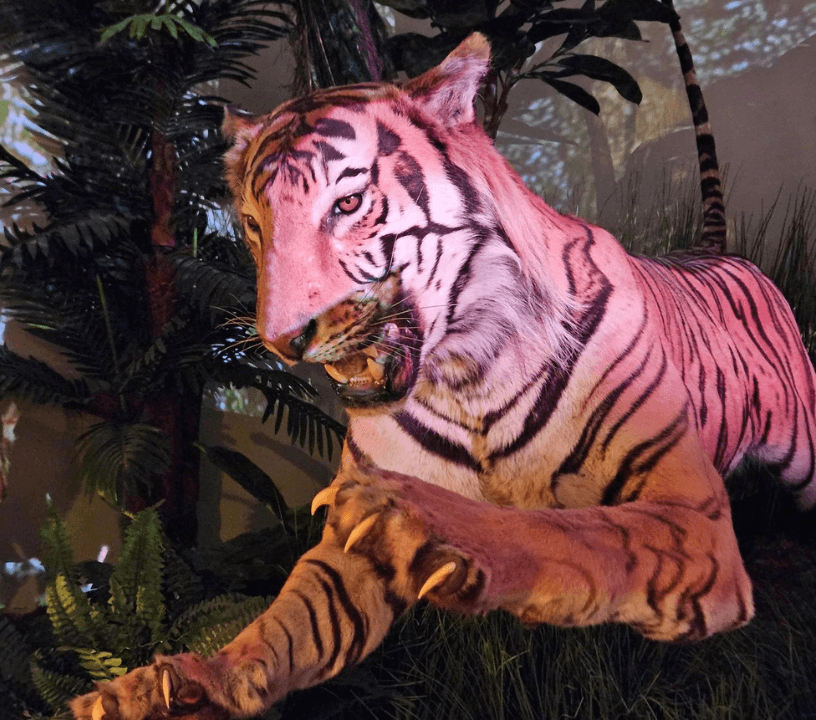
(538, 421)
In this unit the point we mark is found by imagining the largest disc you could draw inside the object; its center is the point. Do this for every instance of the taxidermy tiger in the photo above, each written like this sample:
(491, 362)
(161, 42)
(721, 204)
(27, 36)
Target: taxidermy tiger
(538, 421)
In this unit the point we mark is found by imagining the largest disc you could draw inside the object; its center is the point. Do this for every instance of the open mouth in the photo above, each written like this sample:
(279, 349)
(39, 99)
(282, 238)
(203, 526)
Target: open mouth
(382, 370)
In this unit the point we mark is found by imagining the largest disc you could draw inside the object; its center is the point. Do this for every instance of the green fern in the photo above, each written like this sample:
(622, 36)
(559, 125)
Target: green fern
(54, 688)
(136, 583)
(13, 654)
(207, 627)
(100, 664)
(182, 586)
(58, 557)
(69, 611)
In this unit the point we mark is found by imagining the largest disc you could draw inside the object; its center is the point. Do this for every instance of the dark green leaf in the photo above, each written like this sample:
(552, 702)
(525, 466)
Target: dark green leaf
(615, 11)
(249, 476)
(573, 92)
(599, 68)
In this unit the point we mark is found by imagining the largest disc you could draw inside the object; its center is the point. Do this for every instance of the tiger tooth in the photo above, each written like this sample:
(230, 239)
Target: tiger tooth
(167, 687)
(324, 497)
(359, 531)
(377, 371)
(437, 578)
(371, 351)
(98, 710)
(336, 374)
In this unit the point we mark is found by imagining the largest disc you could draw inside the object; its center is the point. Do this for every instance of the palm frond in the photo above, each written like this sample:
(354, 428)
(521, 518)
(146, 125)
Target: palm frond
(33, 380)
(212, 284)
(80, 237)
(306, 424)
(119, 456)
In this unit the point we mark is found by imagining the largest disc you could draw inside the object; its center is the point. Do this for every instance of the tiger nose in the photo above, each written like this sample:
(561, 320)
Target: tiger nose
(291, 346)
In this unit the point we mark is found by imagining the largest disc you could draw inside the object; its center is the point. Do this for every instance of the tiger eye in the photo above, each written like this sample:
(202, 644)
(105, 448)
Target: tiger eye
(252, 224)
(348, 204)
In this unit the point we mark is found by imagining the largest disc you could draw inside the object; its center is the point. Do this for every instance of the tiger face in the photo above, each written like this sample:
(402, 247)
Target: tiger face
(354, 210)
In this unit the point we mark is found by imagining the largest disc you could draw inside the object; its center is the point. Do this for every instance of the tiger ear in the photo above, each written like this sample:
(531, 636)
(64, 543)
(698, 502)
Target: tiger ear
(449, 90)
(239, 128)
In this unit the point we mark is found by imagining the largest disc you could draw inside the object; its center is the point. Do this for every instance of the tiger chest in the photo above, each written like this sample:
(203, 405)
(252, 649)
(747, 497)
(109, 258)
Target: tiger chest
(518, 472)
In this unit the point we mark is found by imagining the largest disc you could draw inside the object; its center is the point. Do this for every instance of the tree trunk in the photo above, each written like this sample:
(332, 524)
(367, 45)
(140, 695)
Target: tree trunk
(175, 411)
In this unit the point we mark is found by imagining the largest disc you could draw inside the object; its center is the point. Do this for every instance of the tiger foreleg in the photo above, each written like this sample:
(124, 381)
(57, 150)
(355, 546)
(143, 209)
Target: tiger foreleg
(333, 610)
(670, 570)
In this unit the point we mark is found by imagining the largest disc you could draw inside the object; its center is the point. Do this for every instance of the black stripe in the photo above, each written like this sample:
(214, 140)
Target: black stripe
(291, 645)
(635, 406)
(435, 443)
(329, 152)
(360, 635)
(330, 127)
(350, 172)
(408, 173)
(387, 140)
(629, 465)
(573, 462)
(596, 295)
(316, 632)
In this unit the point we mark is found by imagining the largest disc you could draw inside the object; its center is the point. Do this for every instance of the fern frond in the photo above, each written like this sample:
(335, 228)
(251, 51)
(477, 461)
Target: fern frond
(207, 627)
(307, 424)
(136, 583)
(176, 356)
(100, 664)
(14, 654)
(59, 555)
(182, 586)
(70, 612)
(54, 688)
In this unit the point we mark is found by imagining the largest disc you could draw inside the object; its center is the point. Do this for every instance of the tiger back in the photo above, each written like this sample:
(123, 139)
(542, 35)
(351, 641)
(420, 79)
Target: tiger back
(538, 421)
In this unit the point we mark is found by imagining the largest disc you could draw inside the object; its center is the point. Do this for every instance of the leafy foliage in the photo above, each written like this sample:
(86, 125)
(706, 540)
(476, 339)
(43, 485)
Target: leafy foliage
(340, 42)
(104, 619)
(116, 456)
(123, 260)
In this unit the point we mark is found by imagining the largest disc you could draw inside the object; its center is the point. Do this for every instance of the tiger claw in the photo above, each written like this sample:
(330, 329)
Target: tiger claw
(324, 497)
(360, 530)
(98, 710)
(437, 578)
(167, 687)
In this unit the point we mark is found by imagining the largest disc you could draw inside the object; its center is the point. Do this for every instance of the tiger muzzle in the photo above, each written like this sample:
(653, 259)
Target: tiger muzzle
(290, 347)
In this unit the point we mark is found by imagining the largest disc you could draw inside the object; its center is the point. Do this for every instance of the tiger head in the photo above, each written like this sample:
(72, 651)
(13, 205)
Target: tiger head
(369, 210)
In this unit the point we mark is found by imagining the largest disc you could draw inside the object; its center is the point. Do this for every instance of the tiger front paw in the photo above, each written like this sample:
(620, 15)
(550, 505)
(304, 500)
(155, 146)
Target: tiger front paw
(172, 687)
(417, 536)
